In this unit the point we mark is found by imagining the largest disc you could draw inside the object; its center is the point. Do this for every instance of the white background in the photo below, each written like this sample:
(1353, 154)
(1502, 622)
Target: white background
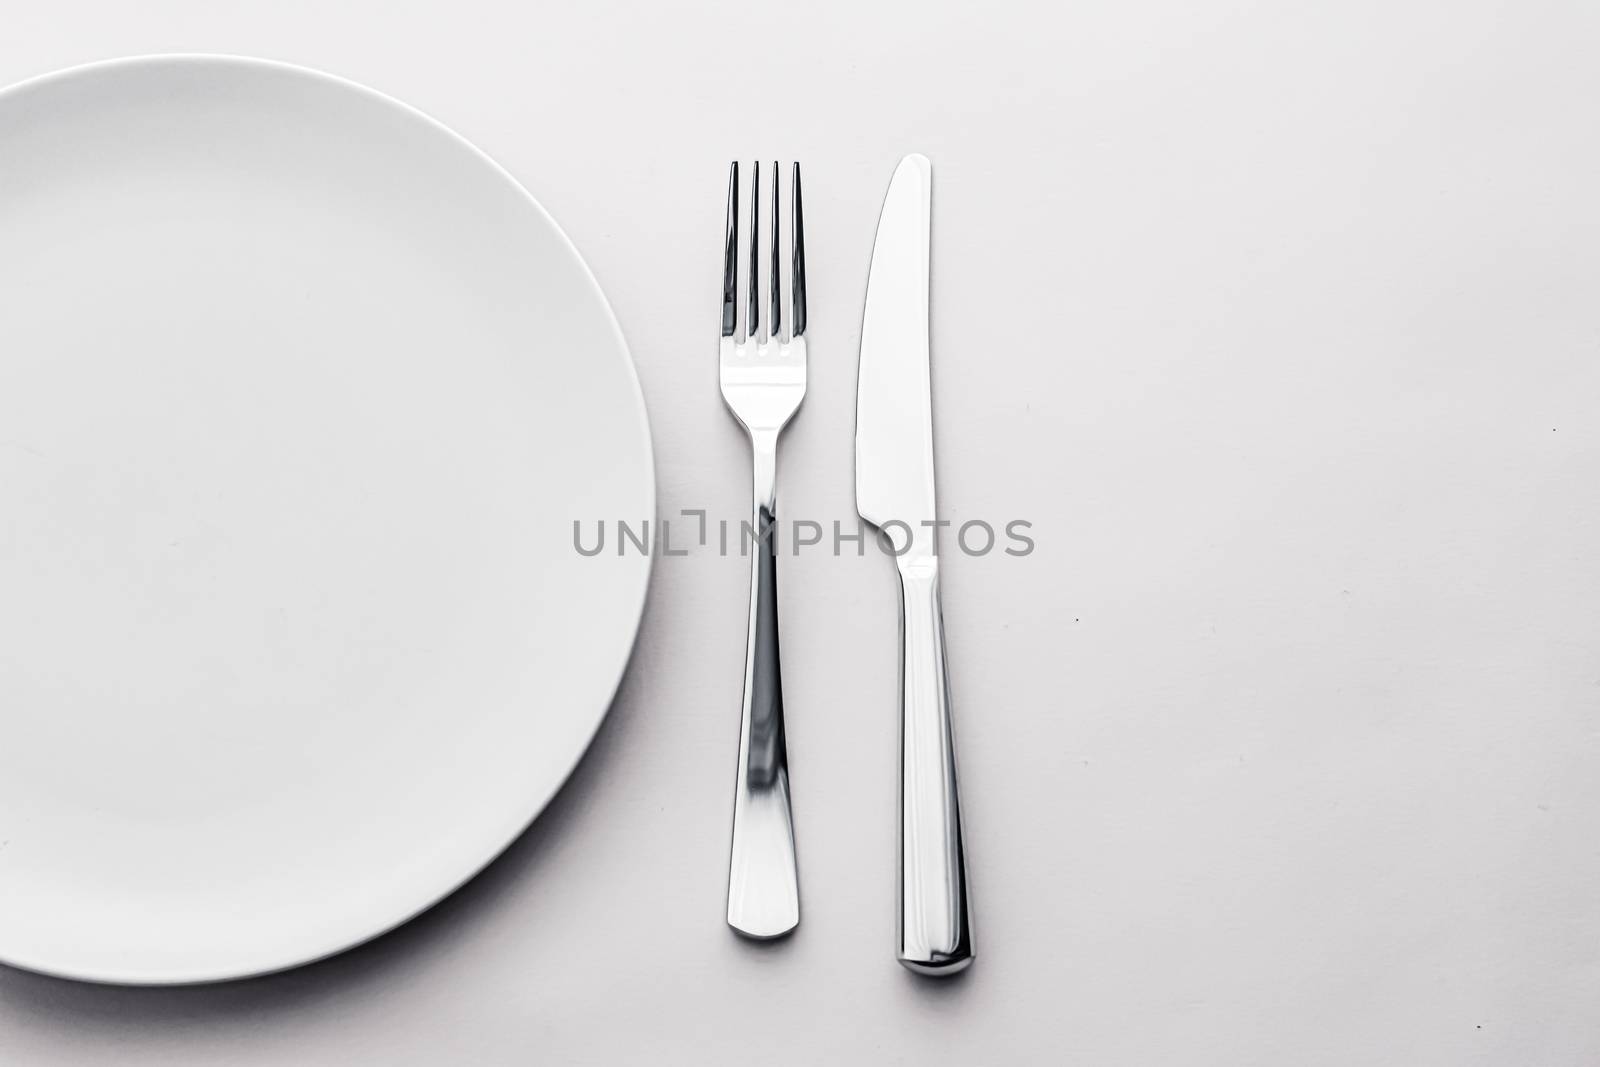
(1280, 324)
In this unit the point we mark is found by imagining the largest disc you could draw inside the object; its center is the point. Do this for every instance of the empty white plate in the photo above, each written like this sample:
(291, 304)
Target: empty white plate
(300, 396)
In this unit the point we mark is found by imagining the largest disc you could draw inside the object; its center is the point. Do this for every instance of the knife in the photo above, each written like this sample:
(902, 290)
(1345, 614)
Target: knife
(894, 492)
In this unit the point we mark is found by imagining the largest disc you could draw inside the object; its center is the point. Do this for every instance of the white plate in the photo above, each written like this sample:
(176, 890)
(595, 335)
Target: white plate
(300, 395)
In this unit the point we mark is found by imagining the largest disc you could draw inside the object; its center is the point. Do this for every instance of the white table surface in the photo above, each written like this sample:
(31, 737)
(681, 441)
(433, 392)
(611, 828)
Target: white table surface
(1281, 324)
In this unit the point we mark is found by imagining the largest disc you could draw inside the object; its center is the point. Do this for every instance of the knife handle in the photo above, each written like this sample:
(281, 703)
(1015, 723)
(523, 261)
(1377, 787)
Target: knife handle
(763, 884)
(935, 932)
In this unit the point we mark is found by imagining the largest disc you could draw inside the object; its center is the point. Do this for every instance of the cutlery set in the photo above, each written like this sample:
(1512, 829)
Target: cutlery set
(259, 672)
(763, 377)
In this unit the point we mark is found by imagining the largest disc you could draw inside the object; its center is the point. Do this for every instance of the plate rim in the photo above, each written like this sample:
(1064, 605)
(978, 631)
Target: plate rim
(640, 410)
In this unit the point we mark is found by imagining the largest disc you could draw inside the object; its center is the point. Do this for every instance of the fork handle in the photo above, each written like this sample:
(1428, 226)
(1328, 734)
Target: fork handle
(763, 886)
(935, 931)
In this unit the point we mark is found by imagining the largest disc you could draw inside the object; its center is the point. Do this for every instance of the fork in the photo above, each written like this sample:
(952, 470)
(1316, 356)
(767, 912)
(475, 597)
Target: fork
(763, 377)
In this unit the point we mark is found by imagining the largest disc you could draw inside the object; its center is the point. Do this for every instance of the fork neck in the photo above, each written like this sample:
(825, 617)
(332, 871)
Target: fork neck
(764, 454)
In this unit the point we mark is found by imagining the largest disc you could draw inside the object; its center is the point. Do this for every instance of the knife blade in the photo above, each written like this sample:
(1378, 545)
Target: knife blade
(894, 414)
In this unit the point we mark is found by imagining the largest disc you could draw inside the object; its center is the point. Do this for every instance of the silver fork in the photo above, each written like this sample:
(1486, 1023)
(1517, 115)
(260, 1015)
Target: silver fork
(763, 374)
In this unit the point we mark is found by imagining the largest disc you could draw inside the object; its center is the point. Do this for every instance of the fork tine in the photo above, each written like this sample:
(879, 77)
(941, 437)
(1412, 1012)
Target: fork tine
(752, 310)
(730, 257)
(798, 272)
(774, 285)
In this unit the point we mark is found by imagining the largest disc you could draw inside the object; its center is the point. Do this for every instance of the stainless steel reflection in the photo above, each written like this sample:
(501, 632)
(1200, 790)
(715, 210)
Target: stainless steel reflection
(894, 492)
(763, 373)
